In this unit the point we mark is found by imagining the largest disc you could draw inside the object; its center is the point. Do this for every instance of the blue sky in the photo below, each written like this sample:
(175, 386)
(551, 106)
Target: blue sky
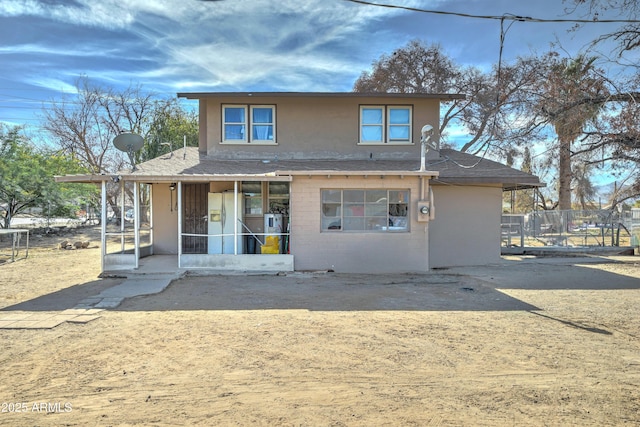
(172, 46)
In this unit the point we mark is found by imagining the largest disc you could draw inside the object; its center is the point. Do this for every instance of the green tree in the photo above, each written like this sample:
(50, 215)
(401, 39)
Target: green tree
(26, 178)
(169, 127)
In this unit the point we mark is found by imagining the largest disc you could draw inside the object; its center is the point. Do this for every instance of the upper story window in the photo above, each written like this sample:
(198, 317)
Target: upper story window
(385, 124)
(249, 124)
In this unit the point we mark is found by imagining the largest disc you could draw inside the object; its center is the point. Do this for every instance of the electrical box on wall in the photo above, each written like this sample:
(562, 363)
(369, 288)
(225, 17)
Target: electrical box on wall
(424, 210)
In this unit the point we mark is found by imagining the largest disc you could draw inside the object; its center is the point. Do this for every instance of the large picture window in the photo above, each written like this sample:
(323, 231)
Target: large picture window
(249, 124)
(385, 124)
(370, 210)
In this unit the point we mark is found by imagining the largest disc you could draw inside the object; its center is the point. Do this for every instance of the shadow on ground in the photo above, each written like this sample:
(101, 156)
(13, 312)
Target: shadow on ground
(64, 298)
(457, 289)
(328, 292)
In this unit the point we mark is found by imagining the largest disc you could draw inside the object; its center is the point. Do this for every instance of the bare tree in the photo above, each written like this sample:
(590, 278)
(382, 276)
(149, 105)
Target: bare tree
(85, 125)
(421, 68)
(627, 36)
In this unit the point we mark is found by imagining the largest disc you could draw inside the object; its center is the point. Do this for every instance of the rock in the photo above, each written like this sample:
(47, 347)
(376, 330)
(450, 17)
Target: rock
(63, 245)
(78, 245)
(85, 245)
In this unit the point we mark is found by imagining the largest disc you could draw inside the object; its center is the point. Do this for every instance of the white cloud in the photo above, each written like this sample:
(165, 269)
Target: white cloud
(54, 84)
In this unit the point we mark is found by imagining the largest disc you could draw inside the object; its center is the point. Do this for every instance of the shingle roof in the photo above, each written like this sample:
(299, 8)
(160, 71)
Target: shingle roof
(453, 167)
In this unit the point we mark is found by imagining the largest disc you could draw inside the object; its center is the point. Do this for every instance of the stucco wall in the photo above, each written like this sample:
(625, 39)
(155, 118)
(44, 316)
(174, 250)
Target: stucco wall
(466, 228)
(165, 220)
(314, 127)
(354, 252)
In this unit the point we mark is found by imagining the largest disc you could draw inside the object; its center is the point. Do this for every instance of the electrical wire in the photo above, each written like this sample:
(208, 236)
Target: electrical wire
(498, 17)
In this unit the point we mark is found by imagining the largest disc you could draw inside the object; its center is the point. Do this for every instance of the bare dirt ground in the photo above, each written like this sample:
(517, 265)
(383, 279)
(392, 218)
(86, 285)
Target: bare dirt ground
(540, 342)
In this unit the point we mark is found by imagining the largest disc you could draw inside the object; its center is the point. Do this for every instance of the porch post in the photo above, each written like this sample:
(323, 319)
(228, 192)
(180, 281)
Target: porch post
(235, 219)
(103, 225)
(136, 222)
(150, 189)
(122, 212)
(179, 224)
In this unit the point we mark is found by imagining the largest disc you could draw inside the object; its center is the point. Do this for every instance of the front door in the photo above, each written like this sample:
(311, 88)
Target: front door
(194, 218)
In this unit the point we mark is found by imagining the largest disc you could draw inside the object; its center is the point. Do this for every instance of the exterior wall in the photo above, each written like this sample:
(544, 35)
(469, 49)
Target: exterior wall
(314, 127)
(466, 228)
(165, 220)
(354, 252)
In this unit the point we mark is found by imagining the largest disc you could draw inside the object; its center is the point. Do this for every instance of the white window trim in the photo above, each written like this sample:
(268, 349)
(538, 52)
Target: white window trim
(248, 125)
(273, 124)
(225, 123)
(362, 125)
(386, 112)
(389, 125)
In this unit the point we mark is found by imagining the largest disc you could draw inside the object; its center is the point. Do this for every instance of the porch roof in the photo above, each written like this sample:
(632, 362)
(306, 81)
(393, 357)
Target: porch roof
(453, 168)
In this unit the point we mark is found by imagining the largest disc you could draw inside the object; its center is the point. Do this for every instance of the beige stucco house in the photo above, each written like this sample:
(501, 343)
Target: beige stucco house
(349, 182)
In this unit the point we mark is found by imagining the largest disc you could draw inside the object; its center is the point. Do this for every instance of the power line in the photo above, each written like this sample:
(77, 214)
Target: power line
(506, 16)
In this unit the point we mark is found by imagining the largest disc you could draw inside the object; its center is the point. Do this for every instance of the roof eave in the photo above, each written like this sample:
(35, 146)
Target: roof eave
(201, 95)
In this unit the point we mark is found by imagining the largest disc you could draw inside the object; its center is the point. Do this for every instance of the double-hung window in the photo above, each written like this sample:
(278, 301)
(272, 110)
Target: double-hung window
(370, 210)
(249, 124)
(385, 124)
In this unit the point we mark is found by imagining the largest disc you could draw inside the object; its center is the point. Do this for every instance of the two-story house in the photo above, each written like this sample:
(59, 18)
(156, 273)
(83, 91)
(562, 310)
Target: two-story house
(349, 182)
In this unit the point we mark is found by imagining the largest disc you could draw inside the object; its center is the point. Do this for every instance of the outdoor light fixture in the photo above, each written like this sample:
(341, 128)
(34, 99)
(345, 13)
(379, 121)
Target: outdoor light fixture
(172, 188)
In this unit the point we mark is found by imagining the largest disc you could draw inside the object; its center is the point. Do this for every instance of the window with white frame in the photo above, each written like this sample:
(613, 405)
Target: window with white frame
(370, 210)
(249, 124)
(385, 124)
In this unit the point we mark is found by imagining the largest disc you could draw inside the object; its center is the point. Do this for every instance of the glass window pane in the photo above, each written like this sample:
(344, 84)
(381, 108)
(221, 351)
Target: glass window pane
(372, 116)
(253, 205)
(234, 115)
(353, 196)
(377, 223)
(400, 133)
(252, 188)
(377, 196)
(262, 115)
(278, 188)
(353, 209)
(372, 210)
(399, 116)
(354, 224)
(398, 196)
(262, 132)
(372, 133)
(234, 132)
(334, 196)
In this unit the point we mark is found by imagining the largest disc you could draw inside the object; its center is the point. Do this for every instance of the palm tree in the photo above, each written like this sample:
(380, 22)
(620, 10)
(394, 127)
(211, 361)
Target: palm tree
(584, 190)
(568, 83)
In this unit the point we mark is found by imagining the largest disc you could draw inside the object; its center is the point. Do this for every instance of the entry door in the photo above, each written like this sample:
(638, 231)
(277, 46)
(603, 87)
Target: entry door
(194, 217)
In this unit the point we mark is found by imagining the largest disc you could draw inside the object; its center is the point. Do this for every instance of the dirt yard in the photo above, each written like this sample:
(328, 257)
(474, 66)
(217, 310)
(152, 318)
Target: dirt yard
(540, 342)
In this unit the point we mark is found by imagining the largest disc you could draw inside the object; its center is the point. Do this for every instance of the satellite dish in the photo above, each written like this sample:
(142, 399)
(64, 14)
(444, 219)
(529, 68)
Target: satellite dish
(129, 143)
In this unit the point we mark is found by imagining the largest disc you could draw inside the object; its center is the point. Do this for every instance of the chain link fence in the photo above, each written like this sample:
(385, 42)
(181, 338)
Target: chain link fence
(572, 228)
